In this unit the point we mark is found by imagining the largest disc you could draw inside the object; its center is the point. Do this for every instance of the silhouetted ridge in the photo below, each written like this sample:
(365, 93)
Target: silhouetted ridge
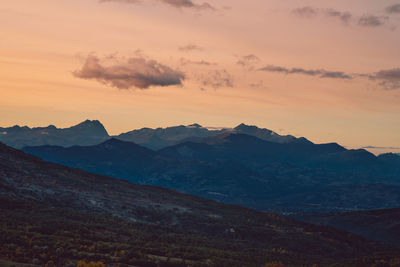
(264, 134)
(85, 133)
(92, 126)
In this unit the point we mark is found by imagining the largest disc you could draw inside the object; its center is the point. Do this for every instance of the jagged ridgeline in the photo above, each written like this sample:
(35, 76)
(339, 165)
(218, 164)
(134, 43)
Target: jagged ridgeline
(85, 133)
(91, 132)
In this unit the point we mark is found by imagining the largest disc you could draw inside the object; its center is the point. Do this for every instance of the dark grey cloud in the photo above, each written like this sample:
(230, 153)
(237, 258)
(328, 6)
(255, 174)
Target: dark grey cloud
(128, 73)
(390, 74)
(393, 9)
(335, 75)
(190, 47)
(388, 79)
(216, 79)
(321, 73)
(248, 62)
(369, 20)
(173, 3)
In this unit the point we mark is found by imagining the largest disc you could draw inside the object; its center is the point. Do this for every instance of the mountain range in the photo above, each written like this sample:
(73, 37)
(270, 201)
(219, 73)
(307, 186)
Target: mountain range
(178, 169)
(52, 214)
(93, 132)
(85, 133)
(164, 137)
(289, 177)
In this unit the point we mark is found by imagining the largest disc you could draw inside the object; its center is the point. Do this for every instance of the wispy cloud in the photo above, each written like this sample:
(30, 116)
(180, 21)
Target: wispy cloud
(248, 62)
(122, 1)
(258, 84)
(306, 11)
(366, 20)
(393, 9)
(321, 73)
(373, 21)
(388, 79)
(216, 79)
(121, 73)
(185, 61)
(190, 47)
(189, 4)
(311, 12)
(344, 16)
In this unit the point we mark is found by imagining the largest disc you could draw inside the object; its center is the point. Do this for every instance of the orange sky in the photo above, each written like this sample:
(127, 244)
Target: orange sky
(44, 45)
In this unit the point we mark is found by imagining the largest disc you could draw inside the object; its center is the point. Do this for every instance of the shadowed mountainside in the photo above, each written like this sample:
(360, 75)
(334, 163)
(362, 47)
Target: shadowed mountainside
(381, 225)
(150, 224)
(240, 169)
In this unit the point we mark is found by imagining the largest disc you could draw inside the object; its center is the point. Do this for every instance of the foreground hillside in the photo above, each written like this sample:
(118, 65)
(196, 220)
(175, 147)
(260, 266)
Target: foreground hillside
(381, 225)
(54, 213)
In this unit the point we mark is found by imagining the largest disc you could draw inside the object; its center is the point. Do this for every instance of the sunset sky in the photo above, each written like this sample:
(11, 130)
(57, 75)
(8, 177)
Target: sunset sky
(326, 70)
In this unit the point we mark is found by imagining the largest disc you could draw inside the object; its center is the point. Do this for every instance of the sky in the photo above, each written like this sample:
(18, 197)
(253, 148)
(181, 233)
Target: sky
(326, 70)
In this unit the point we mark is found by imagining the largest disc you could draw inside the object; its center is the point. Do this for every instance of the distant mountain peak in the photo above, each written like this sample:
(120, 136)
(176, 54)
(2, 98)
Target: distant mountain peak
(94, 126)
(243, 125)
(20, 127)
(195, 125)
(90, 122)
